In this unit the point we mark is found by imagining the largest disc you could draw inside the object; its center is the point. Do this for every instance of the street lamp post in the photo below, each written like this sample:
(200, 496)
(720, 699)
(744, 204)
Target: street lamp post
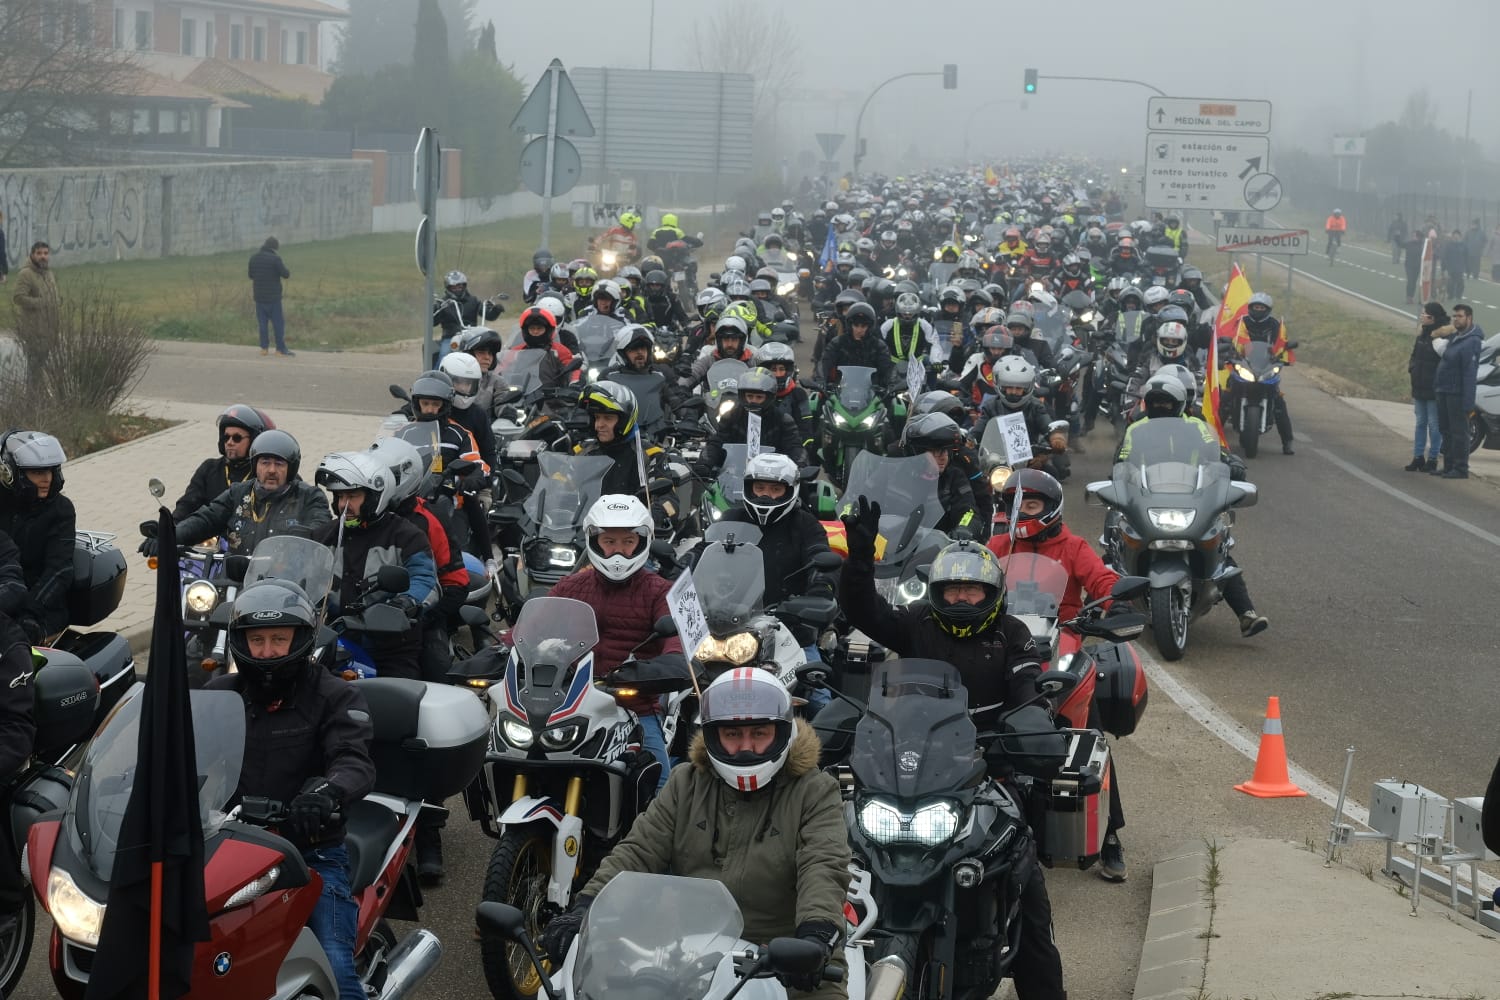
(859, 121)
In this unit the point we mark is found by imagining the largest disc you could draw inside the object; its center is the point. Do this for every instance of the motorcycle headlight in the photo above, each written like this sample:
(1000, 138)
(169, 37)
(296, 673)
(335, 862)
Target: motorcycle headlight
(880, 821)
(1087, 316)
(869, 421)
(786, 288)
(725, 407)
(1275, 370)
(75, 914)
(1171, 518)
(931, 824)
(911, 591)
(594, 373)
(562, 555)
(935, 823)
(562, 737)
(661, 353)
(608, 258)
(1244, 373)
(999, 477)
(201, 597)
(741, 648)
(515, 732)
(839, 421)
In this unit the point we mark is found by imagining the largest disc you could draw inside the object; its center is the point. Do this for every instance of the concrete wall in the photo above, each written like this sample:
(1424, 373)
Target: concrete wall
(455, 212)
(131, 213)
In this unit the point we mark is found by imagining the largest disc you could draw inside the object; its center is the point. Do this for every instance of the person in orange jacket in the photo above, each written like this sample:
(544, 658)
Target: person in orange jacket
(1335, 227)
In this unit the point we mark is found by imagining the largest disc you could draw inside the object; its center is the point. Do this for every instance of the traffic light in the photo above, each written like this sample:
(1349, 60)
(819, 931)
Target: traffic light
(1031, 81)
(950, 76)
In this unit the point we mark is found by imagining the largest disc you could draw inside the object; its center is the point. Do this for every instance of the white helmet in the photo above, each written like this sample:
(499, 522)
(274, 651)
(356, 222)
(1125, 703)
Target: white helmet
(769, 467)
(735, 263)
(1043, 298)
(346, 471)
(618, 510)
(1156, 295)
(464, 371)
(1015, 373)
(1171, 339)
(406, 466)
(1164, 391)
(1186, 377)
(553, 305)
(609, 287)
(778, 213)
(746, 696)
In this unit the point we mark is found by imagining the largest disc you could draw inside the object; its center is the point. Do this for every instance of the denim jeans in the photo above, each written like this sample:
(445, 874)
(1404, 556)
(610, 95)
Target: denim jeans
(1428, 432)
(270, 313)
(654, 740)
(335, 918)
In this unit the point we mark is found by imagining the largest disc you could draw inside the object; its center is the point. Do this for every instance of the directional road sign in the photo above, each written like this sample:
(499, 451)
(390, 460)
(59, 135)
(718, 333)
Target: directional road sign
(1202, 171)
(1251, 239)
(572, 118)
(1203, 114)
(830, 143)
(1262, 192)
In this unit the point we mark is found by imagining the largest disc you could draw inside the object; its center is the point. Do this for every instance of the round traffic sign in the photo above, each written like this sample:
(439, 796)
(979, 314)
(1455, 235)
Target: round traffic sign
(1262, 192)
(567, 166)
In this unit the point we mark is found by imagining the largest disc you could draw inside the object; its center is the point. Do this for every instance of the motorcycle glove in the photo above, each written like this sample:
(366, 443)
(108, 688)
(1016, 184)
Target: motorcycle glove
(824, 934)
(862, 524)
(557, 937)
(407, 605)
(148, 547)
(312, 809)
(35, 633)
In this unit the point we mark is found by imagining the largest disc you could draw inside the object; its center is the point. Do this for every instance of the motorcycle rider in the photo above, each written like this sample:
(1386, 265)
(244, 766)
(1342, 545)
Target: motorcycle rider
(791, 535)
(1335, 226)
(792, 883)
(907, 334)
(484, 346)
(464, 372)
(238, 425)
(756, 391)
(1073, 277)
(1124, 261)
(627, 597)
(307, 743)
(962, 622)
(1015, 382)
(663, 308)
(432, 396)
(536, 280)
(275, 502)
(858, 347)
(1020, 323)
(1191, 279)
(791, 398)
(1258, 325)
(42, 523)
(1040, 261)
(1166, 397)
(620, 238)
(538, 331)
(1040, 530)
(937, 435)
(460, 308)
(635, 354)
(1176, 234)
(1171, 348)
(633, 302)
(978, 380)
(730, 336)
(614, 414)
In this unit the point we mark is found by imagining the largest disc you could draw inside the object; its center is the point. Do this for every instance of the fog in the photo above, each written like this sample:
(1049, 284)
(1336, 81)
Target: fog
(1329, 66)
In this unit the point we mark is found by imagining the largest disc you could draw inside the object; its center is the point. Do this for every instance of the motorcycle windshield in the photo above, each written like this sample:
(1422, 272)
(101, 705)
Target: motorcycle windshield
(856, 388)
(96, 806)
(732, 473)
(647, 388)
(1168, 455)
(940, 273)
(731, 585)
(1034, 584)
(302, 561)
(566, 487)
(917, 738)
(1258, 358)
(907, 491)
(1130, 326)
(779, 259)
(550, 636)
(723, 376)
(596, 336)
(522, 369)
(1052, 326)
(694, 924)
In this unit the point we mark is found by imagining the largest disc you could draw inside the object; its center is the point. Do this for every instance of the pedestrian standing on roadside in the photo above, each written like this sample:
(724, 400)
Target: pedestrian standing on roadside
(36, 306)
(1454, 384)
(1455, 261)
(267, 271)
(1415, 241)
(1396, 233)
(1474, 240)
(1422, 367)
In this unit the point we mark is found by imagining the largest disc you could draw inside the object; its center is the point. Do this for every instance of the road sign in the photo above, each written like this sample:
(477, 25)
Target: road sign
(427, 171)
(572, 118)
(1251, 239)
(1348, 145)
(567, 166)
(1204, 114)
(1262, 192)
(1202, 171)
(426, 245)
(830, 143)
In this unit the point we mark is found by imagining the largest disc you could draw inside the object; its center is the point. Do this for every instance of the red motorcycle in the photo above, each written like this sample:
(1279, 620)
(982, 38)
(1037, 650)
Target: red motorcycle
(429, 743)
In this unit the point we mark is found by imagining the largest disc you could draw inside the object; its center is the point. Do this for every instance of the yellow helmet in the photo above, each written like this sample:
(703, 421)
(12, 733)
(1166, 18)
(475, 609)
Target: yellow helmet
(629, 219)
(669, 220)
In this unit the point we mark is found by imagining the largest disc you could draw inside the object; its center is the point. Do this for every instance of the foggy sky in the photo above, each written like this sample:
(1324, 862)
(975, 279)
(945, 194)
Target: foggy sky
(1328, 66)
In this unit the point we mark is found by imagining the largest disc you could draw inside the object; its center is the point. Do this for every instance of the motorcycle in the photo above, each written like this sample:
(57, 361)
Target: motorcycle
(563, 779)
(1161, 266)
(854, 419)
(551, 530)
(907, 491)
(1254, 394)
(721, 391)
(428, 744)
(995, 458)
(677, 256)
(596, 338)
(692, 948)
(1484, 420)
(1171, 509)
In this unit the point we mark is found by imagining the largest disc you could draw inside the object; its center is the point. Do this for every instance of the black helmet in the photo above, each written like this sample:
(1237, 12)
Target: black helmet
(966, 562)
(542, 261)
(656, 284)
(998, 295)
(272, 604)
(482, 338)
(278, 444)
(939, 401)
(756, 380)
(847, 298)
(246, 418)
(930, 432)
(432, 385)
(858, 311)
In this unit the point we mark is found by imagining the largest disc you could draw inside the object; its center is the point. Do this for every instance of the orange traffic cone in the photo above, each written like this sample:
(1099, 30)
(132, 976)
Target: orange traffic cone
(1271, 780)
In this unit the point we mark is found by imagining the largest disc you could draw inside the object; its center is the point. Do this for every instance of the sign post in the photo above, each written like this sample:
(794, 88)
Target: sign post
(427, 180)
(550, 165)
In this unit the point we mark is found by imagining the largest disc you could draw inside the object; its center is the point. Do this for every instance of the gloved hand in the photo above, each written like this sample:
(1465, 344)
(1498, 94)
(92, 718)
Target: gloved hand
(823, 933)
(311, 810)
(148, 547)
(407, 605)
(35, 633)
(559, 933)
(863, 526)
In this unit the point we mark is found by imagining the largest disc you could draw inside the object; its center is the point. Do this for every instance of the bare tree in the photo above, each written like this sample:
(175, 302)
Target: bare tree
(59, 80)
(764, 46)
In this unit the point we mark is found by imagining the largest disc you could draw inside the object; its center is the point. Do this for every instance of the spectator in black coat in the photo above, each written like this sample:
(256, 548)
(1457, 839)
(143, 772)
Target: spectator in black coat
(1422, 367)
(267, 271)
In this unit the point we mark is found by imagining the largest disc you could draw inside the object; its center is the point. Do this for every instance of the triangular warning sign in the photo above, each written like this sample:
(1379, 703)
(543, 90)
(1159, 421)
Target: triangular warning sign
(572, 118)
(830, 141)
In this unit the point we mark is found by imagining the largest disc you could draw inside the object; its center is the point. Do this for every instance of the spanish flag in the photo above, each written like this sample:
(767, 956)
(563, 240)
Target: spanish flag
(1236, 301)
(990, 179)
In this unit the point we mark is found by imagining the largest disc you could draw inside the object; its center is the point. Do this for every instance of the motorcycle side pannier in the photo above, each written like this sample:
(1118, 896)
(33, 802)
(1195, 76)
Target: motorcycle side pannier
(64, 700)
(1077, 801)
(430, 739)
(98, 584)
(45, 790)
(1120, 698)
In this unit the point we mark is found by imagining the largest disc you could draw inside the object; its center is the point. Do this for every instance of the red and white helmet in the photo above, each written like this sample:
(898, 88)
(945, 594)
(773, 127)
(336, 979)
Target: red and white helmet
(746, 696)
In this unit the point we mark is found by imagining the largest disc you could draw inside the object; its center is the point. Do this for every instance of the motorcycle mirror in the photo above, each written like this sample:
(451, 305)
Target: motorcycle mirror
(462, 466)
(662, 550)
(148, 529)
(924, 571)
(219, 616)
(503, 296)
(472, 616)
(574, 365)
(1094, 493)
(791, 956)
(394, 579)
(827, 562)
(1291, 345)
(514, 478)
(383, 619)
(1128, 588)
(1243, 494)
(664, 626)
(1052, 682)
(507, 922)
(157, 487)
(814, 675)
(235, 568)
(399, 392)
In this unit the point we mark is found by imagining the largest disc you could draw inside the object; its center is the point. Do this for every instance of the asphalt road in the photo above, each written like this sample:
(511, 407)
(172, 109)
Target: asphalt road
(1375, 580)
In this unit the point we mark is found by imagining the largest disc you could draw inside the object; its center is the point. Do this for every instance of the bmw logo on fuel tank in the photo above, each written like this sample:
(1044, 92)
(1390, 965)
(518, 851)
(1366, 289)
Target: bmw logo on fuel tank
(221, 963)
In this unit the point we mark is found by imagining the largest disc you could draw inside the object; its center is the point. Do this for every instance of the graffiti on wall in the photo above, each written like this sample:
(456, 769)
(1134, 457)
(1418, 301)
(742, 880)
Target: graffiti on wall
(94, 214)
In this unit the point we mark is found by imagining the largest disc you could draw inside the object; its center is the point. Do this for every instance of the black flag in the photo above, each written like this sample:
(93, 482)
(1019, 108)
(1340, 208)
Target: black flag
(156, 908)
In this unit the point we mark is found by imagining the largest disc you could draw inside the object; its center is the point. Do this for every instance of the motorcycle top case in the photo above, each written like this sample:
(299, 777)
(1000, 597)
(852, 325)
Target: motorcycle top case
(98, 585)
(430, 739)
(1121, 695)
(1076, 800)
(64, 702)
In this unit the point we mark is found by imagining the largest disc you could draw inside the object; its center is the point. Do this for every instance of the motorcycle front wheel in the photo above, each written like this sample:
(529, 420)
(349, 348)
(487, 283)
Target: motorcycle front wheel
(1169, 621)
(518, 873)
(1476, 432)
(15, 947)
(1250, 431)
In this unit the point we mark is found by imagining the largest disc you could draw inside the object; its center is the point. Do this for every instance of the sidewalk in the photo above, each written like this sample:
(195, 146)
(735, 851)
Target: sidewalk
(108, 487)
(1277, 925)
(1398, 417)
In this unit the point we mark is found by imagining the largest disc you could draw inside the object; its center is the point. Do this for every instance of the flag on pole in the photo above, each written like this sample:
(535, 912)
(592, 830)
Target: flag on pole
(830, 250)
(990, 179)
(1211, 393)
(156, 908)
(1236, 302)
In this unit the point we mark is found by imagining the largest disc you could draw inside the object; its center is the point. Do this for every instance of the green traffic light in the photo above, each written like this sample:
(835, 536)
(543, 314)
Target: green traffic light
(1031, 88)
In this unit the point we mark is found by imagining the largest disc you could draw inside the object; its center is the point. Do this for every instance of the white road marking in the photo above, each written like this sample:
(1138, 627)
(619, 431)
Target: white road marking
(1408, 499)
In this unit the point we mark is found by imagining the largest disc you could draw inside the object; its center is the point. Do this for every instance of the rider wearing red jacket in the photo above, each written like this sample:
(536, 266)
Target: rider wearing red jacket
(1040, 529)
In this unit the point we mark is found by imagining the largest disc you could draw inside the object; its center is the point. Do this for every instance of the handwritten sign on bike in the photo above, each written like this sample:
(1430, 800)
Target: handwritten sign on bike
(1223, 116)
(687, 612)
(1017, 438)
(1250, 239)
(752, 435)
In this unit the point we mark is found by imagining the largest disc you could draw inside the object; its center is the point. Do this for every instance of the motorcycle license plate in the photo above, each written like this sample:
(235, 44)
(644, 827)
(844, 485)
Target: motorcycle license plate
(679, 275)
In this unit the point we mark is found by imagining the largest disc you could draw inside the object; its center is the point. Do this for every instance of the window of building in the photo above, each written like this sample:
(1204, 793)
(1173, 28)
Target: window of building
(189, 36)
(258, 44)
(301, 48)
(143, 30)
(119, 28)
(236, 41)
(285, 47)
(83, 24)
(140, 123)
(210, 47)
